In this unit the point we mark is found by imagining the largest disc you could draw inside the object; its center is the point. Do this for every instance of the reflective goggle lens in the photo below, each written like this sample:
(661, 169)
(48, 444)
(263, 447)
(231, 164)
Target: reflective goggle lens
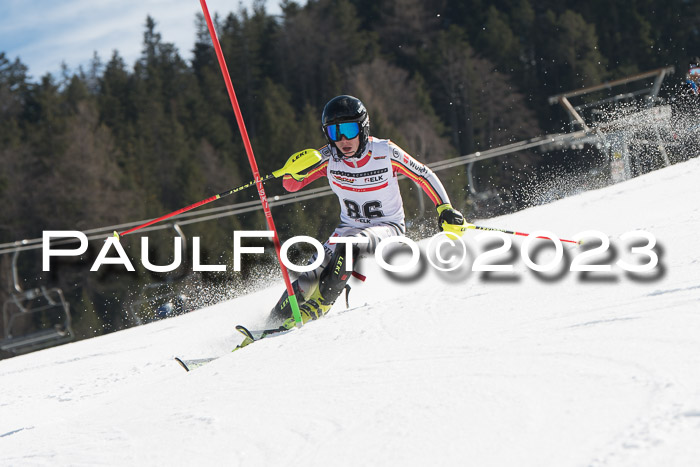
(694, 72)
(348, 129)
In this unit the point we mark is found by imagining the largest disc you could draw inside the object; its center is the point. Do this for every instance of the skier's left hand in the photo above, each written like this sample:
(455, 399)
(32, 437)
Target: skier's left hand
(451, 221)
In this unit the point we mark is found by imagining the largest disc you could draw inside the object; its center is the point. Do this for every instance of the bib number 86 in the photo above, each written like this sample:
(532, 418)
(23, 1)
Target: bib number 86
(370, 209)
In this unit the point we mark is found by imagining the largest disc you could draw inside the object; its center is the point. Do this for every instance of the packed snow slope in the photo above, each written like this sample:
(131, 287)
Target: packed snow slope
(456, 368)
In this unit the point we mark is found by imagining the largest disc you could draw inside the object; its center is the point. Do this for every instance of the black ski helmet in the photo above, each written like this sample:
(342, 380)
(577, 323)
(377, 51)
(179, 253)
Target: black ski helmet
(343, 109)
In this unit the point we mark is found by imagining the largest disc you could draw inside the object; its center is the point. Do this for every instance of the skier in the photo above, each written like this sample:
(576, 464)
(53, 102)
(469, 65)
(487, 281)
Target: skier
(685, 114)
(687, 102)
(692, 80)
(362, 171)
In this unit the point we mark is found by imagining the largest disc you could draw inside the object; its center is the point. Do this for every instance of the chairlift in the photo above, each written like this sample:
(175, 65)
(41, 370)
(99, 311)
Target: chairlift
(645, 128)
(21, 333)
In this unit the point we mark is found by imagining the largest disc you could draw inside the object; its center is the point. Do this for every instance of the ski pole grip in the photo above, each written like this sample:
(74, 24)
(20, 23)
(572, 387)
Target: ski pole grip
(299, 162)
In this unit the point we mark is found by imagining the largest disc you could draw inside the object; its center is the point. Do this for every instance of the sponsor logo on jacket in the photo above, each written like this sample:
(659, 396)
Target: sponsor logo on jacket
(369, 173)
(344, 179)
(416, 166)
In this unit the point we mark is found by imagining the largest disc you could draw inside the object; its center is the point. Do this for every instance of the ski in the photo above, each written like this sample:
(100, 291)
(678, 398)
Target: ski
(250, 336)
(190, 365)
(256, 335)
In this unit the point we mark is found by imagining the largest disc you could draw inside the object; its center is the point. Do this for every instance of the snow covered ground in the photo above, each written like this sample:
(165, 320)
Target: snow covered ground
(454, 368)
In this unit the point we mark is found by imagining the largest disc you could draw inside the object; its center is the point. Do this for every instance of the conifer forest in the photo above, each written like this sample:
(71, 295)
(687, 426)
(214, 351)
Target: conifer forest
(118, 142)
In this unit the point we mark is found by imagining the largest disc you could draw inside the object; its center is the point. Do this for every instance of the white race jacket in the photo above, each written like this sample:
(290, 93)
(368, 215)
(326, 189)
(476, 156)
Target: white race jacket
(367, 187)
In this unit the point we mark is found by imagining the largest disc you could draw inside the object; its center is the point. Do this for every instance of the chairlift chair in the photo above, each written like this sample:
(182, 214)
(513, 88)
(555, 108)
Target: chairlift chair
(20, 311)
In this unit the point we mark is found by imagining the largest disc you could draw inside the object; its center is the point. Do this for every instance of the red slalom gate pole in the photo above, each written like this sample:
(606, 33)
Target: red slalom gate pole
(251, 159)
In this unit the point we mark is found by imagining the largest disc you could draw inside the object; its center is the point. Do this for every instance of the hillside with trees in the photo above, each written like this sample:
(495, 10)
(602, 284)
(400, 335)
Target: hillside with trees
(120, 142)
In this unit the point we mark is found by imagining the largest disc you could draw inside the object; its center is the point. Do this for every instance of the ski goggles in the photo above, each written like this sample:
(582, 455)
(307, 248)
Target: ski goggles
(348, 129)
(694, 72)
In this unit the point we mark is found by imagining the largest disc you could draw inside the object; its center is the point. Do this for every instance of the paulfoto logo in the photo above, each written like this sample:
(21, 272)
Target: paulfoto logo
(444, 252)
(113, 253)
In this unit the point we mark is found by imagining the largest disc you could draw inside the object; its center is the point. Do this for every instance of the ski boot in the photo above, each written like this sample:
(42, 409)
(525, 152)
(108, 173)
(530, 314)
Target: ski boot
(331, 284)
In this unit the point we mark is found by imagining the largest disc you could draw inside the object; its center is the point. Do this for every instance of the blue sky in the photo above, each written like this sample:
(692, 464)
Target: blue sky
(44, 33)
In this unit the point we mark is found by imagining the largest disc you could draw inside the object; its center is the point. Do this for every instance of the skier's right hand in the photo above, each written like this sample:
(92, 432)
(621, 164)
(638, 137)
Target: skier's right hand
(299, 162)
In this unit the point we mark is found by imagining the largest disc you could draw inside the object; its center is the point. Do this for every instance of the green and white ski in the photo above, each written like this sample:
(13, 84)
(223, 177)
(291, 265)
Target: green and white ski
(250, 336)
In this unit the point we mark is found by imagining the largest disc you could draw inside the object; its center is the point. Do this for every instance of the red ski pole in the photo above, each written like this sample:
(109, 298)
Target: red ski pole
(298, 162)
(512, 232)
(188, 208)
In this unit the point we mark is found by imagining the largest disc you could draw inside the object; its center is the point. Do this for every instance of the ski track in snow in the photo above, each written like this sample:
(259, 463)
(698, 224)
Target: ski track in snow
(448, 369)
